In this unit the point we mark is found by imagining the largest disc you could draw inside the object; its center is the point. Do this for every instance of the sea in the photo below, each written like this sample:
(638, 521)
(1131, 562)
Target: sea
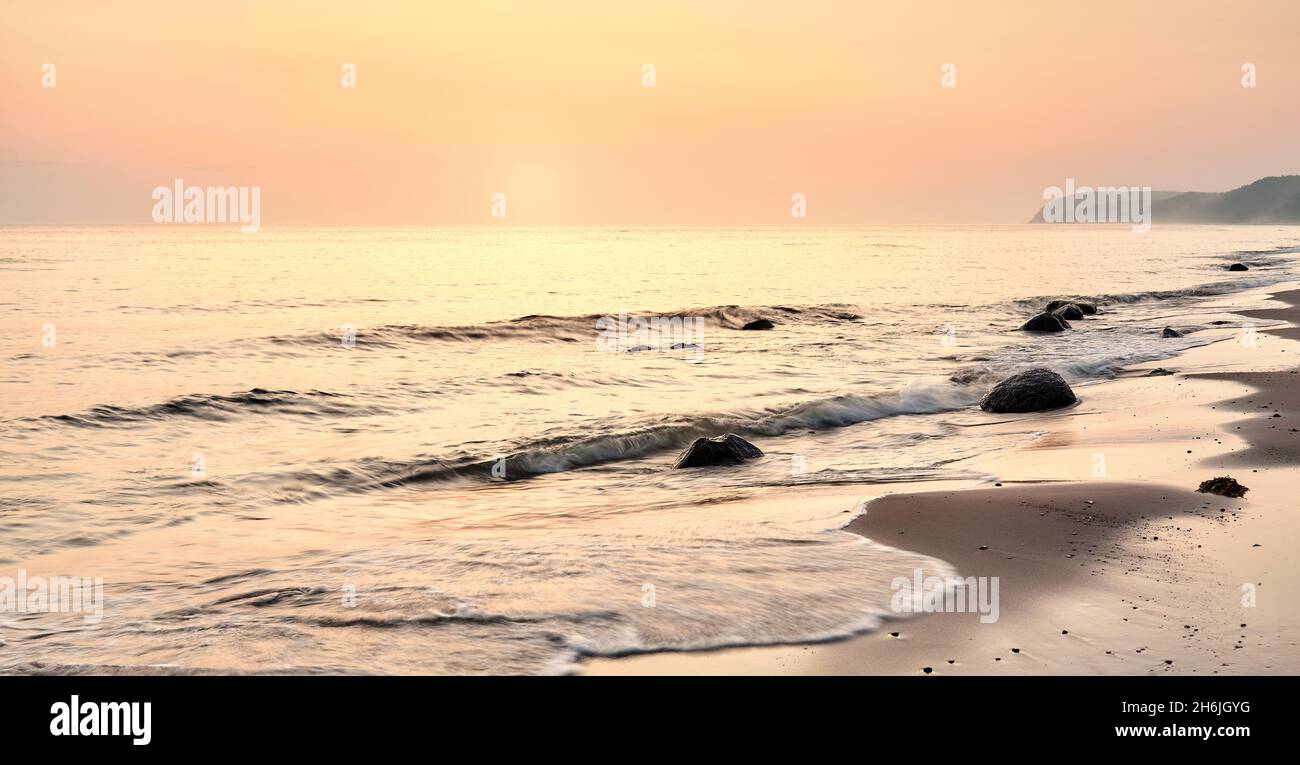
(449, 450)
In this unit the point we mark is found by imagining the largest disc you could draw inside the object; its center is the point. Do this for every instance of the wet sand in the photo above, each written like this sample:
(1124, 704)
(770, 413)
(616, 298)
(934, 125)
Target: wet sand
(1107, 559)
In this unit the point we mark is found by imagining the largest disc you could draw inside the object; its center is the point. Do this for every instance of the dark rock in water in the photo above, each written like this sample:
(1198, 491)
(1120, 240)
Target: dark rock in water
(759, 324)
(1046, 322)
(1238, 267)
(1030, 391)
(1087, 308)
(966, 376)
(1171, 332)
(1223, 485)
(722, 450)
(1159, 372)
(1069, 311)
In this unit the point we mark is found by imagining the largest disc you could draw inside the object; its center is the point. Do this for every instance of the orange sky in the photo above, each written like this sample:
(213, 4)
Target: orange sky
(543, 101)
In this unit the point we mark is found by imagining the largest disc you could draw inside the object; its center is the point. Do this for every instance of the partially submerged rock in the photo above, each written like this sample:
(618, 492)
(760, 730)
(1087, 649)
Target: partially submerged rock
(759, 324)
(1238, 267)
(1170, 332)
(1069, 311)
(1046, 322)
(1159, 372)
(1224, 485)
(721, 450)
(1033, 390)
(1087, 308)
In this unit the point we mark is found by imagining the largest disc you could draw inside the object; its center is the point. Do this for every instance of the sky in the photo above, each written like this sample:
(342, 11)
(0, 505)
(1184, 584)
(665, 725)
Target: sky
(546, 103)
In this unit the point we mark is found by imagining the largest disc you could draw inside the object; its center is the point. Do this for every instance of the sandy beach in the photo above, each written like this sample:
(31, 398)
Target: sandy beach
(1108, 560)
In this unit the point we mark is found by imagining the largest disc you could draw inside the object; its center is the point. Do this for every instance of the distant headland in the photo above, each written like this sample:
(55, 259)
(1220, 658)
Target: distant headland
(1271, 200)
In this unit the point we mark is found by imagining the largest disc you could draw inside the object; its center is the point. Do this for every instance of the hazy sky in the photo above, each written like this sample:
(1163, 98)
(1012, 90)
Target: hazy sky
(544, 102)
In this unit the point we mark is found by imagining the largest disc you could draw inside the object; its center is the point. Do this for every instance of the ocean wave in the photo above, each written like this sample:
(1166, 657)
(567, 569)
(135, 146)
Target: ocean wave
(1213, 289)
(219, 407)
(735, 596)
(1073, 369)
(601, 442)
(1281, 249)
(570, 451)
(548, 328)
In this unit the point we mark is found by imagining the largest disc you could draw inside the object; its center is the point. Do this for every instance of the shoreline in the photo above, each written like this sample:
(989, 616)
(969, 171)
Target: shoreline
(1129, 572)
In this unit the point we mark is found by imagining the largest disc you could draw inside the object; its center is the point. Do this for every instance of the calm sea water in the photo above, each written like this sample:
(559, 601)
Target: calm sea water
(409, 450)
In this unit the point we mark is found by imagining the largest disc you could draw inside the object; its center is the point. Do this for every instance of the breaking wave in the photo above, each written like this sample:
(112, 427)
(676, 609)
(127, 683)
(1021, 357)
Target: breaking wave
(314, 403)
(571, 328)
